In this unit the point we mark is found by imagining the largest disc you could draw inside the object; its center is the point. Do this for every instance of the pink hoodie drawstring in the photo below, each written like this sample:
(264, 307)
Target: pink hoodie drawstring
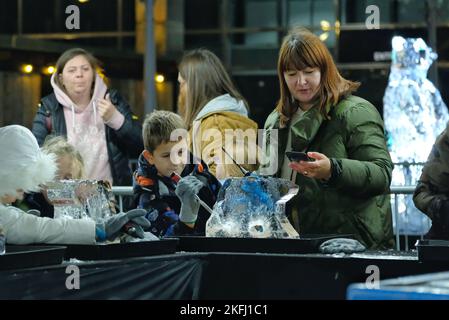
(94, 105)
(73, 115)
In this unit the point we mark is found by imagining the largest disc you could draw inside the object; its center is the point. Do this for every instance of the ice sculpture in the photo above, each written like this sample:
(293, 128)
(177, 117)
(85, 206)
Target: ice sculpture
(414, 115)
(78, 199)
(252, 207)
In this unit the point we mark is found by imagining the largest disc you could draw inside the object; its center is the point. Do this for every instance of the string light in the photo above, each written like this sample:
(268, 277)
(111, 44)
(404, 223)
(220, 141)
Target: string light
(27, 68)
(159, 78)
(49, 70)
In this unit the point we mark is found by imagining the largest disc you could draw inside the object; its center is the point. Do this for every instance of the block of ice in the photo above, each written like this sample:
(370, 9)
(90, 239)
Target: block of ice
(78, 199)
(252, 207)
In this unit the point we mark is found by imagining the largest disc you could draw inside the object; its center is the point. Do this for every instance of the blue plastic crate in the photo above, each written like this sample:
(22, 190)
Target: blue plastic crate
(434, 286)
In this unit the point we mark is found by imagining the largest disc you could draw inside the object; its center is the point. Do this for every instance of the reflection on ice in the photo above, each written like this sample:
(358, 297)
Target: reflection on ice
(79, 199)
(252, 207)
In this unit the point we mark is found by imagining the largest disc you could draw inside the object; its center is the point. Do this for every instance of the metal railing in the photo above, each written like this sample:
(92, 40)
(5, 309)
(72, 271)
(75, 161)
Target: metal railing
(395, 191)
(120, 192)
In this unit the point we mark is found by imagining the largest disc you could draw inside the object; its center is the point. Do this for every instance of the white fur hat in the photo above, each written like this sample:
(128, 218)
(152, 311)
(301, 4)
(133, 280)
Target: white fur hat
(22, 164)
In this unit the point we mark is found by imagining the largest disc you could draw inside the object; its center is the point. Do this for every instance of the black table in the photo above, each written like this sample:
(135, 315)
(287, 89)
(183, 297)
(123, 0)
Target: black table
(213, 275)
(157, 277)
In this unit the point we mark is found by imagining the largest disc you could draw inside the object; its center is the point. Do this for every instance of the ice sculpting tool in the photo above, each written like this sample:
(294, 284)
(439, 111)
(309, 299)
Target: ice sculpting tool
(244, 171)
(201, 202)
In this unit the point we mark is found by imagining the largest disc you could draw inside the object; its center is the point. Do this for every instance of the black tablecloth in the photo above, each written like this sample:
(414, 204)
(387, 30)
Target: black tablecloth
(213, 276)
(160, 277)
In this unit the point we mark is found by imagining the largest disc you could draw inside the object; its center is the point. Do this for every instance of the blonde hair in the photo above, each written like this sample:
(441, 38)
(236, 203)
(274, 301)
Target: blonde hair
(206, 79)
(158, 127)
(302, 49)
(59, 146)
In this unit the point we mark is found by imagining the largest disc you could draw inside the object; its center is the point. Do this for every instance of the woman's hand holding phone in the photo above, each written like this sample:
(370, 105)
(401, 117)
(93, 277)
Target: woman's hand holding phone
(311, 164)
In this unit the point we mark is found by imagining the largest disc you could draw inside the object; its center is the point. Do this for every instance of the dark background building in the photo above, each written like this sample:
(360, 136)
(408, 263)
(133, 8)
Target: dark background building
(246, 34)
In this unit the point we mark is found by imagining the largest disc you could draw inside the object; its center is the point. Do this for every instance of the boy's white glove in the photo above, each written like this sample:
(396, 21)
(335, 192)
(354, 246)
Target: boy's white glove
(187, 190)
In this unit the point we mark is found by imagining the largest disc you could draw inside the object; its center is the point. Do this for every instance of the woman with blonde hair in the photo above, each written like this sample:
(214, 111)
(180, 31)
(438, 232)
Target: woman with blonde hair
(343, 187)
(213, 109)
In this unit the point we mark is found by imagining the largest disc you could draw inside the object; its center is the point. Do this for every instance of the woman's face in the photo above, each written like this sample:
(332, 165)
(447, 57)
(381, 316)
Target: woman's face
(303, 85)
(77, 76)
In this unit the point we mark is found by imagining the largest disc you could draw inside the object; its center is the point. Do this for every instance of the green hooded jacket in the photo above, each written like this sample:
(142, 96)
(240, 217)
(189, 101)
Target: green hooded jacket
(355, 199)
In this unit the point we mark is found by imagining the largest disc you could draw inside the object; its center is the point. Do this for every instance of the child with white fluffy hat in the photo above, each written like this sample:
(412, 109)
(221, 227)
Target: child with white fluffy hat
(23, 168)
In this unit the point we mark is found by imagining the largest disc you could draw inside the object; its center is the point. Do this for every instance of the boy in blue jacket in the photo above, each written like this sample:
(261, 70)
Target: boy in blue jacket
(168, 179)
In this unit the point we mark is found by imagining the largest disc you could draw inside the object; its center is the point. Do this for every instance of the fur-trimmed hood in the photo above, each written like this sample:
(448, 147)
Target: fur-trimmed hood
(22, 164)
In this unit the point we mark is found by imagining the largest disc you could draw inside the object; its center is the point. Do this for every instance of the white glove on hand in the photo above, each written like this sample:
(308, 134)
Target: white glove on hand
(187, 189)
(114, 225)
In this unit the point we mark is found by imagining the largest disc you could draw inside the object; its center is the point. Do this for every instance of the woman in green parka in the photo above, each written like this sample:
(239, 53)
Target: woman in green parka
(345, 189)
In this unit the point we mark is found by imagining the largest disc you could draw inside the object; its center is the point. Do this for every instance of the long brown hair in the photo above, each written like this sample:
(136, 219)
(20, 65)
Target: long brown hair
(302, 49)
(69, 55)
(206, 79)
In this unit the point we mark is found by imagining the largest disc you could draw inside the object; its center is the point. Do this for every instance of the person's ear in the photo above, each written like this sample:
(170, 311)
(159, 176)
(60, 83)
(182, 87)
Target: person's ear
(148, 156)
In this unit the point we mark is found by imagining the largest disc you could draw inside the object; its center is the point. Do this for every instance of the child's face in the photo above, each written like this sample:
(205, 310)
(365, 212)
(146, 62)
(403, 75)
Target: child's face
(67, 168)
(161, 159)
(10, 199)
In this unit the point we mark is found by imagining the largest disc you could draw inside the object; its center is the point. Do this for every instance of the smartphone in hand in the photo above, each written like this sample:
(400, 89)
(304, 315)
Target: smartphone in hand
(298, 156)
